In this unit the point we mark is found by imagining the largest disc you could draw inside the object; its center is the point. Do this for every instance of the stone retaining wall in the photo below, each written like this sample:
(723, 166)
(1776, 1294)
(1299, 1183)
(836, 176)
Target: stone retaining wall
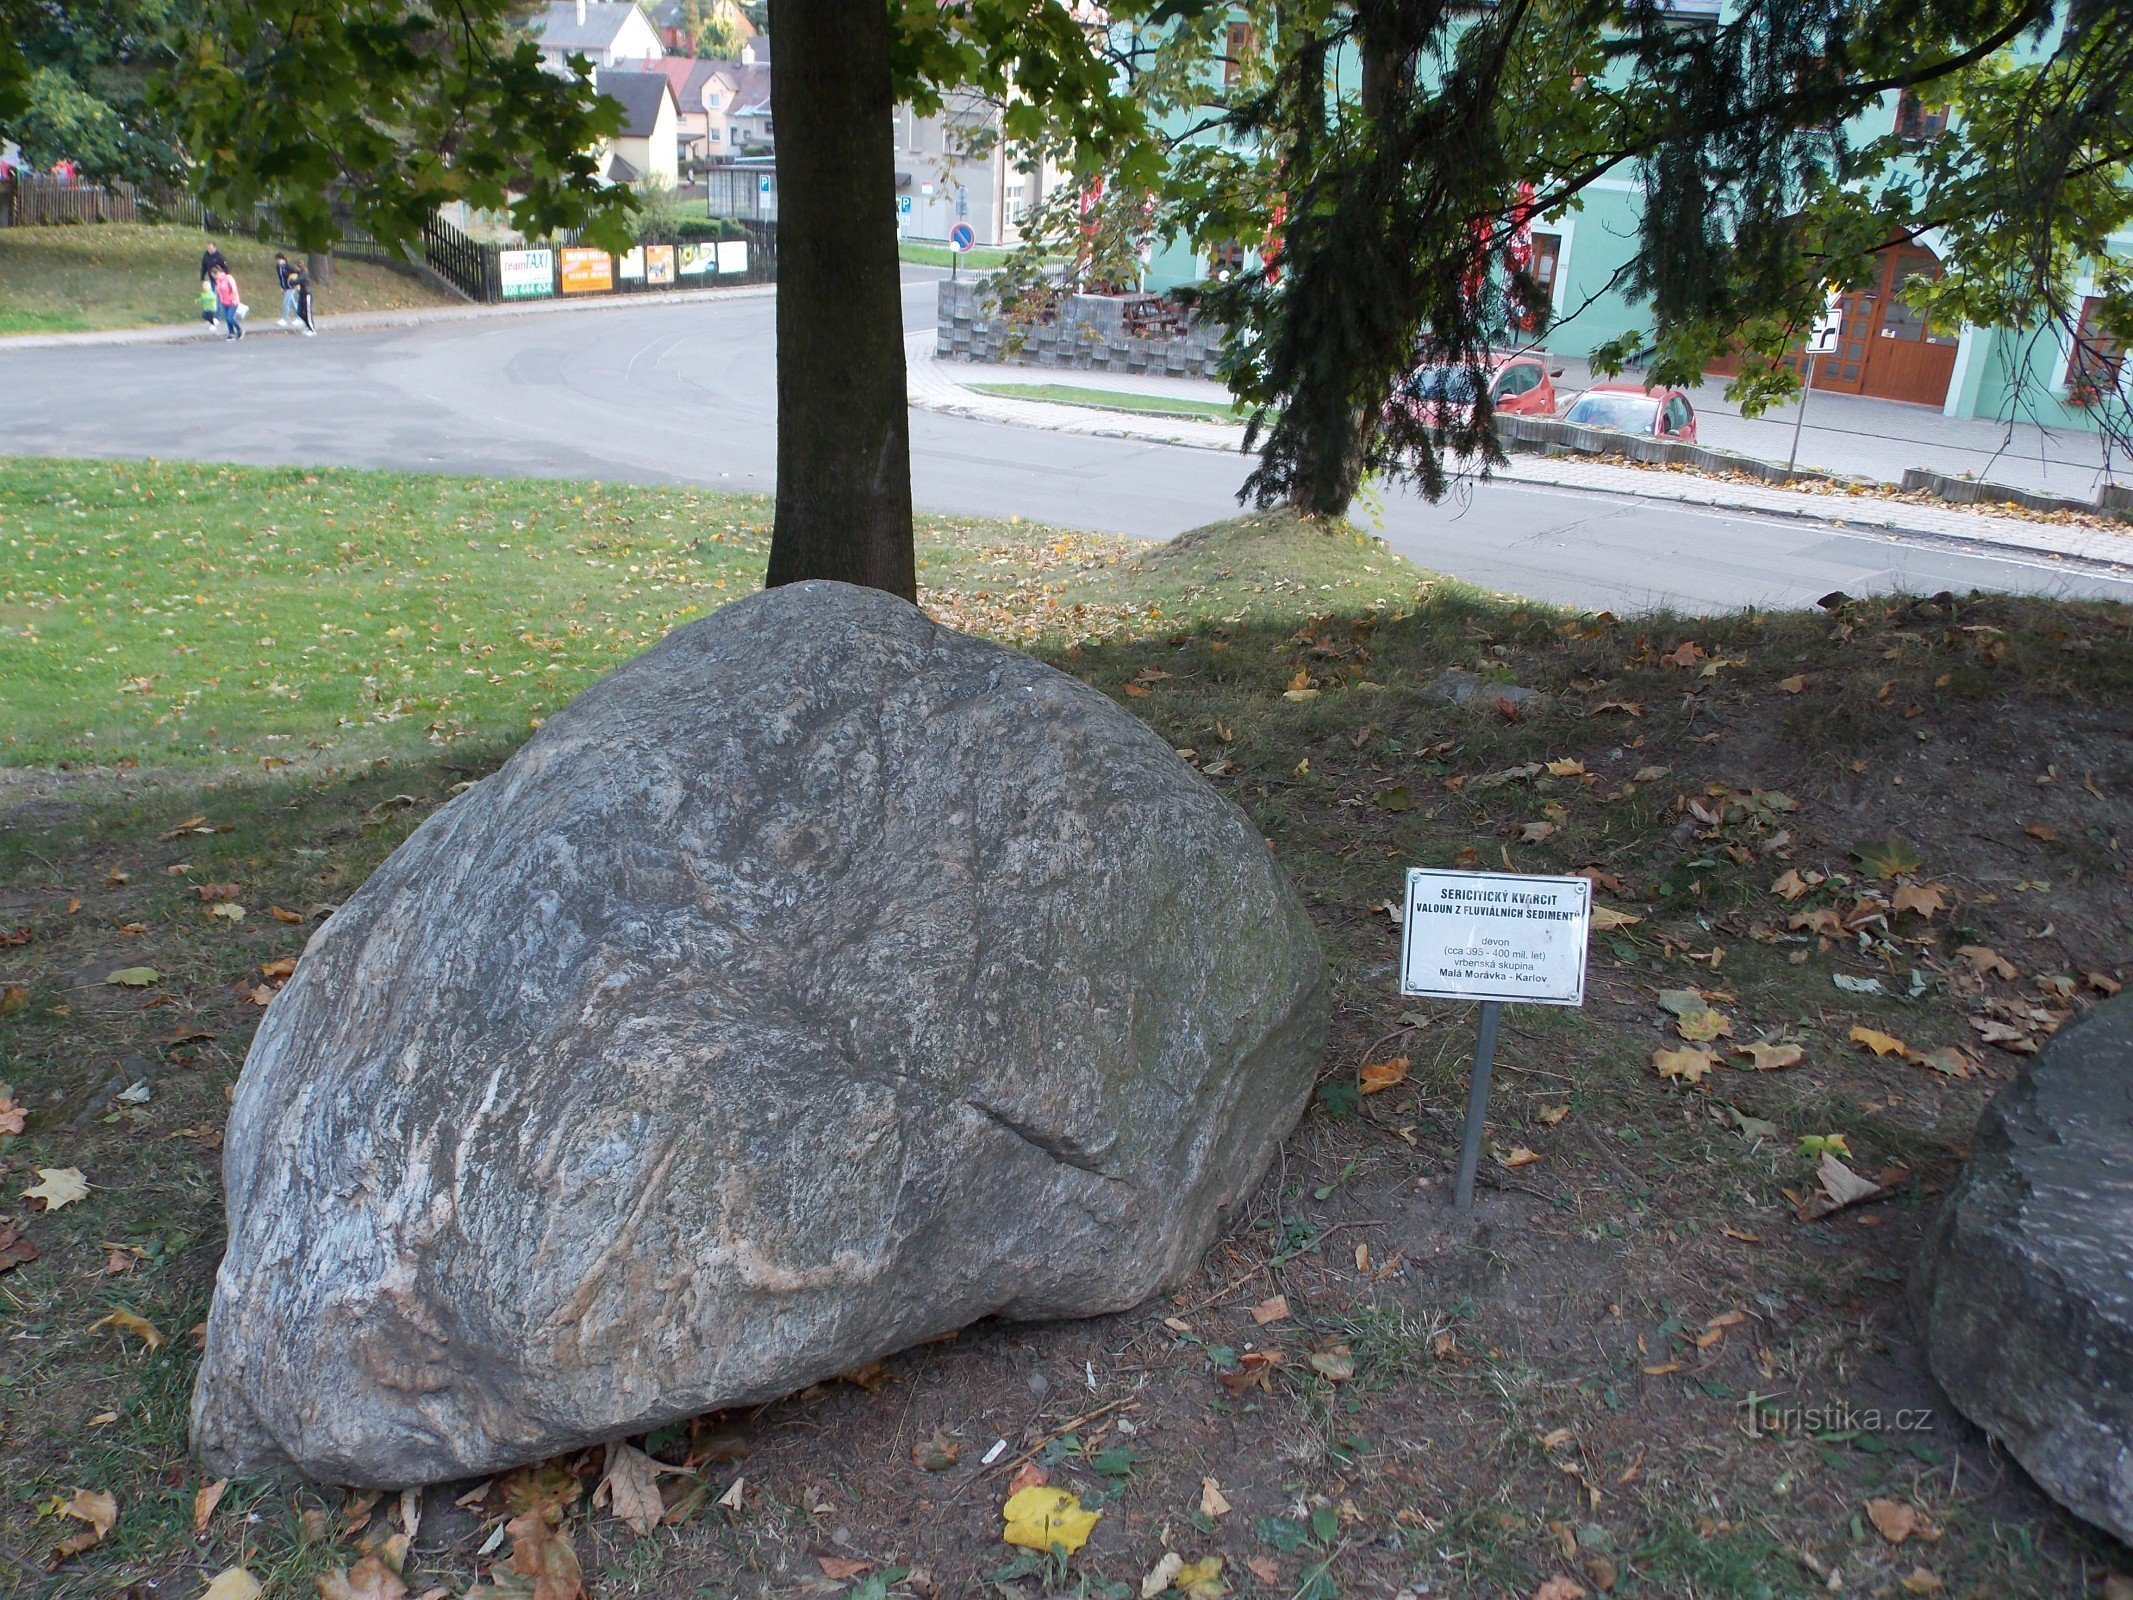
(1088, 334)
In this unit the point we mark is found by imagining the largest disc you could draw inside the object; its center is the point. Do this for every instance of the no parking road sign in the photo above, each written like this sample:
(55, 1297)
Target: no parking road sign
(961, 238)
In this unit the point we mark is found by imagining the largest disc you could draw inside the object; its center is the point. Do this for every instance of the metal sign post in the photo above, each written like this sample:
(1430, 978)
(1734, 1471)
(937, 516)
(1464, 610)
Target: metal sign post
(1821, 341)
(1495, 937)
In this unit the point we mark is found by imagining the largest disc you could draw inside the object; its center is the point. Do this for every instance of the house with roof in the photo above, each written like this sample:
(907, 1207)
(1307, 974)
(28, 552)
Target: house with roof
(607, 33)
(674, 19)
(649, 145)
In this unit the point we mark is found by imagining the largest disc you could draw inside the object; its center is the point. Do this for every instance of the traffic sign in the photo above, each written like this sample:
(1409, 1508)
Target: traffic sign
(1828, 328)
(961, 238)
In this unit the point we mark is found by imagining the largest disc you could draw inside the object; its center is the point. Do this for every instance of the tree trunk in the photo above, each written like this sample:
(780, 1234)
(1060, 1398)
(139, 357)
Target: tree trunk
(844, 430)
(318, 266)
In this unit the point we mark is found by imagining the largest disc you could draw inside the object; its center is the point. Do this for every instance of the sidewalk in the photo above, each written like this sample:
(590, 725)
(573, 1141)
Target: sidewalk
(356, 321)
(947, 386)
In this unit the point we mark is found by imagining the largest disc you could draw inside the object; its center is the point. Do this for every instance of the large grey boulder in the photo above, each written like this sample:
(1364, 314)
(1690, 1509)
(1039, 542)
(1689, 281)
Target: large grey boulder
(819, 982)
(2024, 1294)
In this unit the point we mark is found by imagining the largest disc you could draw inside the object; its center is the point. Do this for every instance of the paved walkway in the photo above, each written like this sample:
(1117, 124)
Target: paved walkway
(948, 386)
(193, 330)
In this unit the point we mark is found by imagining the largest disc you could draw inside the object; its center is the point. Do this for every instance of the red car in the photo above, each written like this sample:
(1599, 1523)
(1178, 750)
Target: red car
(1632, 408)
(1521, 385)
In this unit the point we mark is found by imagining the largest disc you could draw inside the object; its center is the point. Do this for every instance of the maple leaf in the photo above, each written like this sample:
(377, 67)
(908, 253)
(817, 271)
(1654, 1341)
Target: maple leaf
(58, 1187)
(630, 1489)
(1947, 1060)
(1702, 1026)
(369, 1579)
(97, 1510)
(1374, 1077)
(1926, 900)
(1766, 1057)
(13, 1118)
(1882, 1044)
(1045, 1519)
(1790, 885)
(15, 1246)
(1986, 962)
(1201, 1579)
(540, 1552)
(1689, 1066)
(1889, 858)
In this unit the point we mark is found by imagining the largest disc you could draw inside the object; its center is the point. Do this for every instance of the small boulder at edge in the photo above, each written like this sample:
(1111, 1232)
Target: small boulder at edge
(2024, 1294)
(817, 983)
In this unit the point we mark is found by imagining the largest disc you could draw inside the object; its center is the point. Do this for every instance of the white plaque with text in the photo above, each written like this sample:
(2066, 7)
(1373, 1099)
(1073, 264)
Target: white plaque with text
(1495, 936)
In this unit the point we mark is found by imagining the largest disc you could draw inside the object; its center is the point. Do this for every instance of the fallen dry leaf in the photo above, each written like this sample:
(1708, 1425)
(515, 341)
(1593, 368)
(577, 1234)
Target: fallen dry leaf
(1793, 684)
(1605, 919)
(1536, 832)
(369, 1579)
(1046, 1519)
(205, 1501)
(1986, 962)
(1926, 900)
(1766, 1057)
(544, 1554)
(231, 1583)
(1947, 1060)
(1701, 1027)
(58, 1187)
(1922, 1580)
(1882, 1044)
(839, 1569)
(1273, 1309)
(630, 1489)
(126, 1322)
(1159, 1576)
(96, 1510)
(1689, 1066)
(1551, 1115)
(1896, 1521)
(1514, 1158)
(15, 1246)
(937, 1453)
(1212, 1502)
(13, 1118)
(133, 977)
(1265, 1568)
(1335, 1363)
(1560, 1588)
(1843, 1186)
(1376, 1076)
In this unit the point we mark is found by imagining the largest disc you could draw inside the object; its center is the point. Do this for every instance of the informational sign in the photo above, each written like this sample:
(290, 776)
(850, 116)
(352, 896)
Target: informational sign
(960, 237)
(587, 271)
(1828, 328)
(695, 260)
(658, 263)
(732, 257)
(762, 185)
(1495, 936)
(629, 266)
(903, 205)
(526, 274)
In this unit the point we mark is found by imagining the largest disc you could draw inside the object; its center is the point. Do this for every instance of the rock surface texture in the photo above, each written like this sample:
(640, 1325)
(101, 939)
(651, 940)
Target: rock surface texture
(819, 982)
(2025, 1291)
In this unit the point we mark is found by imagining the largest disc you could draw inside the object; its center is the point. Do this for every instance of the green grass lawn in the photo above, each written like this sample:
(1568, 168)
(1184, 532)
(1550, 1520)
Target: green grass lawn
(260, 682)
(981, 259)
(119, 275)
(1147, 405)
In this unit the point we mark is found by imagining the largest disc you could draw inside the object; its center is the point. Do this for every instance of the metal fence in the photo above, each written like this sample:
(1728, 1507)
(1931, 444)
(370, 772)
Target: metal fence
(479, 271)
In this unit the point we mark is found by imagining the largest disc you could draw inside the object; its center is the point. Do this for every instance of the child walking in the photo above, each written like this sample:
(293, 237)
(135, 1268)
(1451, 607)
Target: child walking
(226, 298)
(299, 294)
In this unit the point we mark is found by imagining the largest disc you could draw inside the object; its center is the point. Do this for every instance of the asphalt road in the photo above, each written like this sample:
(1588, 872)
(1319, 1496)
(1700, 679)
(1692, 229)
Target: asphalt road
(684, 393)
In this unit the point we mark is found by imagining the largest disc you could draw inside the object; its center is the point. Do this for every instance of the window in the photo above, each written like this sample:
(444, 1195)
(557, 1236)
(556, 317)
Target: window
(1917, 120)
(1677, 415)
(1630, 413)
(2097, 358)
(1243, 40)
(1547, 258)
(1519, 378)
(714, 136)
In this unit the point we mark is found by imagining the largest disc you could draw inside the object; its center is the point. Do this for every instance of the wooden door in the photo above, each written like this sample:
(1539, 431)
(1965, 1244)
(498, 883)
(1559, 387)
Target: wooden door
(1909, 358)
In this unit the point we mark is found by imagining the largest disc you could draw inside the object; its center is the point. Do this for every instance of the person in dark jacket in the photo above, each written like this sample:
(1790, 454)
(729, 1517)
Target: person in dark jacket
(210, 259)
(283, 272)
(299, 295)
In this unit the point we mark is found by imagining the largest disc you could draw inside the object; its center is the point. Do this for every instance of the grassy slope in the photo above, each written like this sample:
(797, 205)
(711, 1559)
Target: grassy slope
(1288, 661)
(58, 280)
(1152, 405)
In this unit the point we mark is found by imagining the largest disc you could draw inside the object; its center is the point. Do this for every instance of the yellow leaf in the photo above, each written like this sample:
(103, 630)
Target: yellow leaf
(1551, 1115)
(1895, 1521)
(126, 1322)
(1514, 1159)
(1302, 680)
(134, 977)
(1201, 1579)
(1923, 1580)
(99, 1510)
(1212, 1503)
(1701, 1027)
(1047, 1519)
(1790, 886)
(231, 1583)
(1882, 1044)
(58, 1187)
(1923, 899)
(1567, 767)
(1687, 1065)
(1770, 1057)
(1376, 1076)
(1606, 918)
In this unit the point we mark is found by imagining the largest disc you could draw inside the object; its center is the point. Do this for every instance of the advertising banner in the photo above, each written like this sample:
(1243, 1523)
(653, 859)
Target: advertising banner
(658, 262)
(629, 266)
(587, 271)
(732, 256)
(696, 260)
(527, 274)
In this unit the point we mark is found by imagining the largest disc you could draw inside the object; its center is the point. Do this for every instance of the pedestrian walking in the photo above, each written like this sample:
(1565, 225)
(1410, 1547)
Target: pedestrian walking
(232, 307)
(210, 312)
(283, 271)
(300, 287)
(210, 259)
